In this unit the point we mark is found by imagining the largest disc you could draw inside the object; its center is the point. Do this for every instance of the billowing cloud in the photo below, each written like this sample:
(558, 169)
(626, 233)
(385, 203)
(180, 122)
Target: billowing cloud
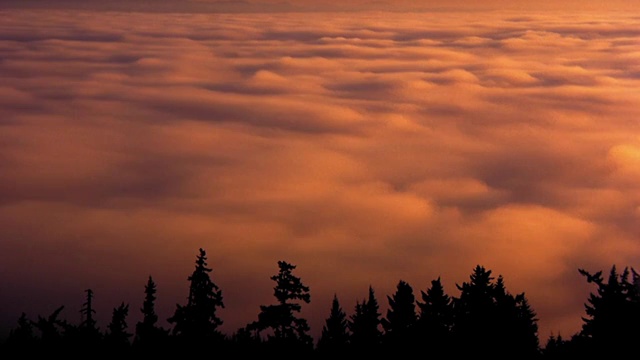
(365, 149)
(236, 6)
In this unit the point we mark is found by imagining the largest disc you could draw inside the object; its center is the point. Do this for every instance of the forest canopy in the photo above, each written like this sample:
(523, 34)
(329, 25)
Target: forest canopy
(465, 324)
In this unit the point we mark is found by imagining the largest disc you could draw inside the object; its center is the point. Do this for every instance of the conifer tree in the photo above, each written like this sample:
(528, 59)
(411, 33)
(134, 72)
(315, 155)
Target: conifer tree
(612, 321)
(246, 342)
(486, 311)
(504, 314)
(435, 318)
(148, 335)
(364, 326)
(51, 330)
(526, 328)
(474, 310)
(474, 315)
(87, 332)
(556, 348)
(515, 324)
(399, 324)
(88, 311)
(117, 337)
(334, 339)
(197, 321)
(289, 333)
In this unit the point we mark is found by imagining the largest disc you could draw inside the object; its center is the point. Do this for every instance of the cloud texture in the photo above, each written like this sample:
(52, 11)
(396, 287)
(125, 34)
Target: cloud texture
(362, 148)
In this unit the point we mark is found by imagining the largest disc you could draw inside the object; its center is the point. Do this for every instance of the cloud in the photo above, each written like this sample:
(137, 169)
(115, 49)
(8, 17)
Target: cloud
(363, 148)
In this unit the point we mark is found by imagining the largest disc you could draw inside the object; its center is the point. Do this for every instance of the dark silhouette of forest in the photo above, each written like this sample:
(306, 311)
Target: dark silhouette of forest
(484, 320)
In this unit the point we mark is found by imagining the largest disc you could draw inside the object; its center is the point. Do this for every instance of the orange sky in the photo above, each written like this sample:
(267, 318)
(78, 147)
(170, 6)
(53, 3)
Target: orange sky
(323, 5)
(363, 148)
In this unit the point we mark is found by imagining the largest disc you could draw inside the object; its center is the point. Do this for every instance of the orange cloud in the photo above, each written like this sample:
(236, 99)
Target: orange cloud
(363, 148)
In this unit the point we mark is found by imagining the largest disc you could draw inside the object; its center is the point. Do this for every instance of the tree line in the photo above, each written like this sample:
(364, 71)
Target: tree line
(485, 319)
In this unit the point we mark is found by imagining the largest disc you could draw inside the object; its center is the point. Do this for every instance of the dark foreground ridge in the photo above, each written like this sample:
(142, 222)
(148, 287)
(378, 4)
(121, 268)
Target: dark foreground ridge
(484, 320)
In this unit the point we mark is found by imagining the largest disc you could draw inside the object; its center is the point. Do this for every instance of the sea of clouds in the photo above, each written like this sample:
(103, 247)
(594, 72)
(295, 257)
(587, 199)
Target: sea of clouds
(364, 148)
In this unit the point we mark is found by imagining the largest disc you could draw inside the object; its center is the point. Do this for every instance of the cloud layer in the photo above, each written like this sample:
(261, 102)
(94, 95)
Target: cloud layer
(363, 148)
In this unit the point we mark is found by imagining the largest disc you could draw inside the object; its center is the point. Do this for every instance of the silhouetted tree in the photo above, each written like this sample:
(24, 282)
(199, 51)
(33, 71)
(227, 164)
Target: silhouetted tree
(485, 312)
(474, 314)
(515, 323)
(117, 338)
(289, 333)
(334, 339)
(197, 321)
(435, 318)
(148, 335)
(246, 342)
(486, 320)
(634, 291)
(576, 347)
(364, 325)
(87, 312)
(22, 339)
(556, 348)
(399, 324)
(51, 330)
(87, 332)
(612, 322)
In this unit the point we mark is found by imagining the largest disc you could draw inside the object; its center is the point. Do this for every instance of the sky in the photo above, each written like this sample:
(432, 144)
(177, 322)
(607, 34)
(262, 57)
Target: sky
(363, 147)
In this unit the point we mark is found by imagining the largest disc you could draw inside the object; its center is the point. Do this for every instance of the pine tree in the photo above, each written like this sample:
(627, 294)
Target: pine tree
(526, 328)
(364, 326)
(117, 338)
(474, 315)
(486, 312)
(87, 312)
(435, 318)
(515, 324)
(334, 339)
(87, 332)
(197, 321)
(148, 335)
(399, 325)
(612, 322)
(289, 333)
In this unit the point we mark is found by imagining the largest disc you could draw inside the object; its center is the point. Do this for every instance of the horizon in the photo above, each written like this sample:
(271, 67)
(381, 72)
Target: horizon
(134, 315)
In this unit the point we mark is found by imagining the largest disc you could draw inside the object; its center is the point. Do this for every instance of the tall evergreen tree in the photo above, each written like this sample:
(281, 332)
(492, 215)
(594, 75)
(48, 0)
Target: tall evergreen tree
(197, 321)
(399, 324)
(474, 313)
(117, 338)
(87, 332)
(526, 329)
(289, 333)
(486, 311)
(364, 325)
(435, 318)
(515, 324)
(612, 322)
(334, 339)
(148, 335)
(87, 312)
